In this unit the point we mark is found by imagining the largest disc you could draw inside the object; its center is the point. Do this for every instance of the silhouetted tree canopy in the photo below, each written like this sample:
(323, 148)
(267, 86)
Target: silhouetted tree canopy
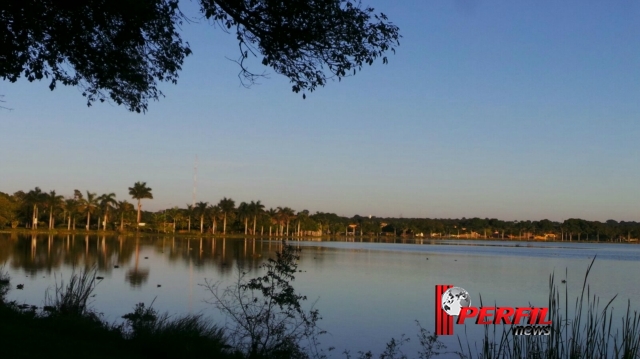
(120, 50)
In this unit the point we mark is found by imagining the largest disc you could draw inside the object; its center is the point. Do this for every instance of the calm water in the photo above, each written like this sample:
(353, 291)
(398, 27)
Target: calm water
(366, 292)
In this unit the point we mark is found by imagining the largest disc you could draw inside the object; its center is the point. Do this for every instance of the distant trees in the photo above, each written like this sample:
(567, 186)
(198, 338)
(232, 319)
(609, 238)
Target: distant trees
(175, 215)
(140, 191)
(8, 210)
(28, 208)
(124, 208)
(214, 213)
(189, 212)
(285, 215)
(256, 209)
(227, 207)
(201, 211)
(88, 205)
(52, 202)
(35, 198)
(244, 212)
(107, 203)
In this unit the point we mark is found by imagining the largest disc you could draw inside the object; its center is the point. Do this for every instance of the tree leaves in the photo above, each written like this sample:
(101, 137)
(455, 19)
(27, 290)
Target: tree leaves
(115, 50)
(120, 50)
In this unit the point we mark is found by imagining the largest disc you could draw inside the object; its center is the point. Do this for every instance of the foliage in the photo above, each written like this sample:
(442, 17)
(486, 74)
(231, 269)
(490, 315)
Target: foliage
(140, 191)
(114, 50)
(5, 284)
(8, 210)
(266, 314)
(159, 336)
(430, 346)
(22, 207)
(72, 299)
(302, 39)
(120, 50)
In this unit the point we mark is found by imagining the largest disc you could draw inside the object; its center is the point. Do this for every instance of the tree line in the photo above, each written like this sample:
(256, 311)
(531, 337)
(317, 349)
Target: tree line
(87, 210)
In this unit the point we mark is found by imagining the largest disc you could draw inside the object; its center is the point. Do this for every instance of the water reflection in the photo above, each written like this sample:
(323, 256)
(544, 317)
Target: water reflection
(375, 287)
(136, 276)
(46, 254)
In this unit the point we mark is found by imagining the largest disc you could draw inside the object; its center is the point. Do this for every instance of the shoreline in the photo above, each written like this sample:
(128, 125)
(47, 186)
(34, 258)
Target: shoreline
(186, 234)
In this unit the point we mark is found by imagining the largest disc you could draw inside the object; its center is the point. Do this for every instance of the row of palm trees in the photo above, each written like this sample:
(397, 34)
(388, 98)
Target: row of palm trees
(253, 218)
(106, 204)
(226, 210)
(108, 208)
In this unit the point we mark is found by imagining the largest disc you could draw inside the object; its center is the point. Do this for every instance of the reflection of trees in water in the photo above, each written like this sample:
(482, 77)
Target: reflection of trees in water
(135, 276)
(39, 253)
(34, 254)
(51, 253)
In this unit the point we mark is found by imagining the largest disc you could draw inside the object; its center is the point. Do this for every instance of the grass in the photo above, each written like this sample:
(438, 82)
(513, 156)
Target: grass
(67, 327)
(71, 299)
(160, 336)
(591, 333)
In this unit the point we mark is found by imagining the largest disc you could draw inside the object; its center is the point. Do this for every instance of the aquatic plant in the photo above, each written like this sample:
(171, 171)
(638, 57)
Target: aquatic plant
(72, 298)
(589, 334)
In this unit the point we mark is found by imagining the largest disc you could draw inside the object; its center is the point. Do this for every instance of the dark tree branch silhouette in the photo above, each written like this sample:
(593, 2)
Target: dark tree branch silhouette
(120, 50)
(3, 101)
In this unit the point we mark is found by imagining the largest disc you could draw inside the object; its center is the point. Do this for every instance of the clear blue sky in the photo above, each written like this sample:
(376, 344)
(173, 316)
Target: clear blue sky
(507, 109)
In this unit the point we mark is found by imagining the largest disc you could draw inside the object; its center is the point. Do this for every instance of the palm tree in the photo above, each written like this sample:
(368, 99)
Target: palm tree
(52, 202)
(201, 210)
(88, 205)
(302, 216)
(214, 213)
(243, 214)
(189, 213)
(124, 207)
(140, 191)
(273, 218)
(286, 214)
(175, 215)
(71, 207)
(257, 209)
(35, 197)
(77, 196)
(107, 202)
(227, 206)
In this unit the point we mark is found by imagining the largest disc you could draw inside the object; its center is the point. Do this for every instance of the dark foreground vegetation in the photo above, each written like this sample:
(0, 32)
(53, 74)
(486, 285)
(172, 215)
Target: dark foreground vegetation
(267, 319)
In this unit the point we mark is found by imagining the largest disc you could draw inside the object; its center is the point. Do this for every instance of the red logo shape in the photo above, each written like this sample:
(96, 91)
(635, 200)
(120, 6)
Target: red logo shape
(444, 322)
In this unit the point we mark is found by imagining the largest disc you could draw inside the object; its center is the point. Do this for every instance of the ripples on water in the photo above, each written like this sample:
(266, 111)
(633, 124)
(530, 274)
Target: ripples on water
(367, 292)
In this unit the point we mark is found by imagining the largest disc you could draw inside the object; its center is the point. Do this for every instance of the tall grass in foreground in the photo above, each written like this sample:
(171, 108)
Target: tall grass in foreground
(161, 336)
(590, 334)
(4, 284)
(71, 299)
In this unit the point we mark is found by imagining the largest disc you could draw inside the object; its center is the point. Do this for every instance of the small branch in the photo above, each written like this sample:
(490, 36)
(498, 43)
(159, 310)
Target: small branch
(4, 107)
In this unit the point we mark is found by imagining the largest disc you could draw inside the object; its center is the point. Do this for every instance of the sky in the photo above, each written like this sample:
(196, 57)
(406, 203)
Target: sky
(494, 109)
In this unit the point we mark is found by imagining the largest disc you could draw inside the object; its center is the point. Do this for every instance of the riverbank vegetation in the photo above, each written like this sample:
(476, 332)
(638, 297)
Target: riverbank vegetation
(89, 212)
(267, 318)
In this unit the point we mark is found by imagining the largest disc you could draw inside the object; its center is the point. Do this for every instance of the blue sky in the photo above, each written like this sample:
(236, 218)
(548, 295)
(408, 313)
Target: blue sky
(513, 110)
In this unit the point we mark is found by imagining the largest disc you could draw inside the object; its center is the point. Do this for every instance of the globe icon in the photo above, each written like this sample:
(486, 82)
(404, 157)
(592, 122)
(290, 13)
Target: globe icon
(454, 299)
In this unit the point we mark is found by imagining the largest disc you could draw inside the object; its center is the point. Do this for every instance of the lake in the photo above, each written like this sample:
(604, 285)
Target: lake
(366, 291)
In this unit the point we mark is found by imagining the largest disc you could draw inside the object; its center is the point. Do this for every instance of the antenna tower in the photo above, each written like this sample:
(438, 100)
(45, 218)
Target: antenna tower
(195, 182)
